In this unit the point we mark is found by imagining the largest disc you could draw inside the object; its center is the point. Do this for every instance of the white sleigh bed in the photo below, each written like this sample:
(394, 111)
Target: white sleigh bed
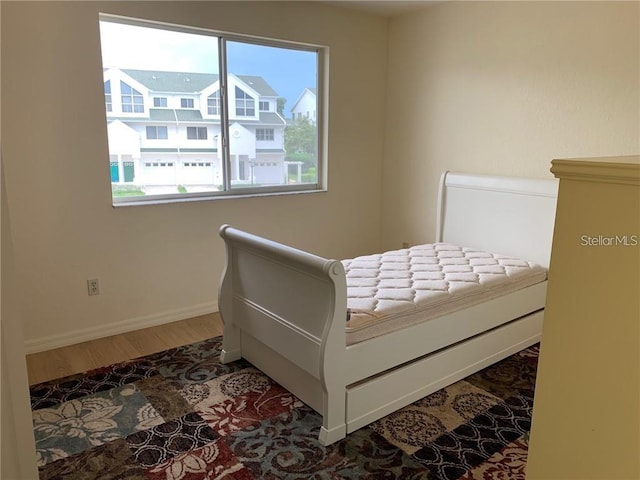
(285, 310)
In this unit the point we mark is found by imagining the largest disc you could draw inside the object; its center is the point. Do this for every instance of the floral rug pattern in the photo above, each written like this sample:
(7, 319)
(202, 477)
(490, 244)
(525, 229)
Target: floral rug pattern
(182, 415)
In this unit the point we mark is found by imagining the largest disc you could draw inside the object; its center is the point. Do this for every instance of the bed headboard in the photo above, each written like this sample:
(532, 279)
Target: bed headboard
(507, 215)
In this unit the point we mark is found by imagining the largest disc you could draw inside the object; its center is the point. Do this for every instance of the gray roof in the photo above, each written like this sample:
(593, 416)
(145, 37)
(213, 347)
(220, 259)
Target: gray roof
(266, 118)
(181, 150)
(178, 82)
(271, 118)
(171, 115)
(270, 150)
(185, 82)
(167, 115)
(259, 84)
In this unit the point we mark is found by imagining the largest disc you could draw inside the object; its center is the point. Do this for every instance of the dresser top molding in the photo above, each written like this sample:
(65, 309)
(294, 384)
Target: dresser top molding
(624, 170)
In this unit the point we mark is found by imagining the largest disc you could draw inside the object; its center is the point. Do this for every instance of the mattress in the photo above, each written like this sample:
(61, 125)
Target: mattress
(396, 289)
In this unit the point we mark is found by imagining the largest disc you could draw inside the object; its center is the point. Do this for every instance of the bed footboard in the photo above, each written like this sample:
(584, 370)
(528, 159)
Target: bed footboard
(284, 310)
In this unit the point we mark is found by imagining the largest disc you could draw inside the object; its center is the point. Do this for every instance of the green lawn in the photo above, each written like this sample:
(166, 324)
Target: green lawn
(126, 191)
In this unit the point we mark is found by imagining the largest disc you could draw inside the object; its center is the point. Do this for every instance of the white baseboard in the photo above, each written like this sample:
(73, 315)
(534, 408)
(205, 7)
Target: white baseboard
(83, 335)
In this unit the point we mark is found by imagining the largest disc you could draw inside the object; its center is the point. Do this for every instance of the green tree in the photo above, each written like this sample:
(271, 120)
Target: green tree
(300, 137)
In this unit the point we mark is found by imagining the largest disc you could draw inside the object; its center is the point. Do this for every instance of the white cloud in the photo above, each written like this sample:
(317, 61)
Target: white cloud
(129, 46)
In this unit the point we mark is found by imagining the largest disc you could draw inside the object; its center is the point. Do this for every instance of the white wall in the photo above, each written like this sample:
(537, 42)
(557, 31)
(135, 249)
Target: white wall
(503, 88)
(495, 87)
(17, 445)
(157, 263)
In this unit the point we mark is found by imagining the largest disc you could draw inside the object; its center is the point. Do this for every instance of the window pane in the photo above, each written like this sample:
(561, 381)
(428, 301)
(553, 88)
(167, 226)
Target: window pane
(164, 112)
(107, 95)
(186, 102)
(213, 103)
(274, 151)
(156, 59)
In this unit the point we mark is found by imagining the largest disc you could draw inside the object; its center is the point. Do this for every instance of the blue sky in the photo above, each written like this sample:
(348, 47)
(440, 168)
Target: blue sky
(288, 71)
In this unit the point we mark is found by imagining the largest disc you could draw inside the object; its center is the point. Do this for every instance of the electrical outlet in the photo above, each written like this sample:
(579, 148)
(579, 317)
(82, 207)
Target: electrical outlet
(93, 286)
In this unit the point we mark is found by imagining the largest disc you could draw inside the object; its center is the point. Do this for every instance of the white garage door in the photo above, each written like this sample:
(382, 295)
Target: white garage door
(159, 172)
(199, 172)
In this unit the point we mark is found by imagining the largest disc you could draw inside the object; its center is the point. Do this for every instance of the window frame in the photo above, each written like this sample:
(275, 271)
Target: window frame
(197, 130)
(157, 129)
(131, 99)
(160, 102)
(322, 85)
(265, 134)
(108, 98)
(244, 103)
(213, 103)
(190, 103)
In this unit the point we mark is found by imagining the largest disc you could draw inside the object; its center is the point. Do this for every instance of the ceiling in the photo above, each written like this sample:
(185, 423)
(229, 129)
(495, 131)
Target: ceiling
(387, 8)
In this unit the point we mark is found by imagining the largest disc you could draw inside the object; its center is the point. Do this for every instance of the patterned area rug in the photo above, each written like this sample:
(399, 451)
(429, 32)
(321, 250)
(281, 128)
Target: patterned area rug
(181, 414)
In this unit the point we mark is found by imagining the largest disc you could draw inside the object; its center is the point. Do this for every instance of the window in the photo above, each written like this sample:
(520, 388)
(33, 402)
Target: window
(132, 99)
(213, 103)
(186, 102)
(245, 104)
(264, 134)
(107, 96)
(157, 133)
(160, 102)
(197, 133)
(220, 93)
(158, 164)
(197, 164)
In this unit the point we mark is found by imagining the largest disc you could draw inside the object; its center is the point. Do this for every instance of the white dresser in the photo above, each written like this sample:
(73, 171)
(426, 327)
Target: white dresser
(586, 414)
